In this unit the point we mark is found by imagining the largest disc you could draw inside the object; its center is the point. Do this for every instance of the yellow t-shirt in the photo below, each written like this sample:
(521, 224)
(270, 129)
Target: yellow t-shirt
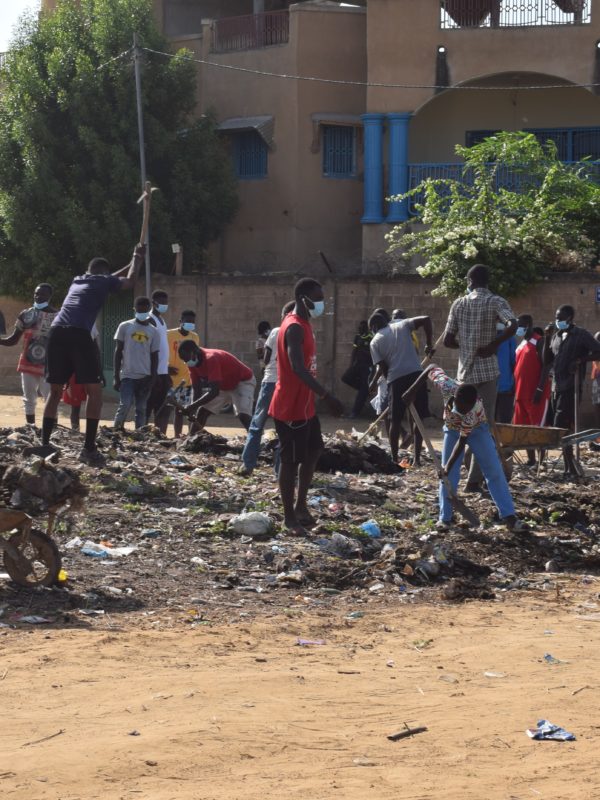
(175, 337)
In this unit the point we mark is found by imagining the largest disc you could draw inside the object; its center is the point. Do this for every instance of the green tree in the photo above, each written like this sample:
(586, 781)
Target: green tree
(517, 209)
(69, 157)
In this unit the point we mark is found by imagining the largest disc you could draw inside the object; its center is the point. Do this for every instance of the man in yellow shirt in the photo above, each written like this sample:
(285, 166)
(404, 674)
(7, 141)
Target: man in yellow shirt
(178, 369)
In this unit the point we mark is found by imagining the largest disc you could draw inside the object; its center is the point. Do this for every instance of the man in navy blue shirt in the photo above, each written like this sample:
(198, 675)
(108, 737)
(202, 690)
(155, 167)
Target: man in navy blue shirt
(71, 349)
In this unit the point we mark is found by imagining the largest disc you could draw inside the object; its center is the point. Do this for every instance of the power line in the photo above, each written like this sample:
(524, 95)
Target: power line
(369, 84)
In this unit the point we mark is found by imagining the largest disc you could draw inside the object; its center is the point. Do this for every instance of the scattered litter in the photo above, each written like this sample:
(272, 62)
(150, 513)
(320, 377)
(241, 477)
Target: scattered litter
(355, 615)
(91, 612)
(550, 659)
(254, 524)
(310, 642)
(364, 762)
(371, 528)
(102, 551)
(546, 730)
(33, 619)
(151, 533)
(448, 677)
(494, 674)
(404, 734)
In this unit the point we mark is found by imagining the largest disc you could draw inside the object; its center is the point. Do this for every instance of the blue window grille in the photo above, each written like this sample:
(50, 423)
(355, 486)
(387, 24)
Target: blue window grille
(250, 155)
(572, 144)
(339, 151)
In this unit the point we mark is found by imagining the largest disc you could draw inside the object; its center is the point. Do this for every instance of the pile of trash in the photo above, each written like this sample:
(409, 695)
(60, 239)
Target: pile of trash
(171, 527)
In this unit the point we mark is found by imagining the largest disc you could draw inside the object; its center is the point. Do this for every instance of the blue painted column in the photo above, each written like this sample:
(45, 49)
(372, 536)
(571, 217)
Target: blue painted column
(398, 165)
(373, 125)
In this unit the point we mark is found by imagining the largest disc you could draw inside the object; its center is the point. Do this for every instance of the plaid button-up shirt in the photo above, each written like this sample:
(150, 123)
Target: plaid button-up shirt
(473, 320)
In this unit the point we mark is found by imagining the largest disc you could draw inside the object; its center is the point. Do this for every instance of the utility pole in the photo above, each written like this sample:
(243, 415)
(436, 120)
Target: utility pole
(140, 118)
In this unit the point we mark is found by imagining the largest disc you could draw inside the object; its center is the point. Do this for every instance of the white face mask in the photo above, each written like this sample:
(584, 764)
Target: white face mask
(318, 307)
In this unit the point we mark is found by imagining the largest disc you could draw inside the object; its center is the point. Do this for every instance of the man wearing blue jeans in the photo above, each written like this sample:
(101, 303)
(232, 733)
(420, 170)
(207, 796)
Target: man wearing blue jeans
(465, 423)
(136, 363)
(265, 395)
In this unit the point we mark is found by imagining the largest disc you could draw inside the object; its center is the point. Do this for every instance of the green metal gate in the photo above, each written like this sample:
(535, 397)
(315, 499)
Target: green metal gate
(117, 308)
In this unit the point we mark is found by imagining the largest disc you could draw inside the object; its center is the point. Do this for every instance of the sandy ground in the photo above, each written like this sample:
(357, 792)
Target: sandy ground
(242, 711)
(192, 709)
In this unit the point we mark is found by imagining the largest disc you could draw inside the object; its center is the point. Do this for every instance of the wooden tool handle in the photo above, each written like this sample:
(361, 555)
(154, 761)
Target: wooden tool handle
(147, 199)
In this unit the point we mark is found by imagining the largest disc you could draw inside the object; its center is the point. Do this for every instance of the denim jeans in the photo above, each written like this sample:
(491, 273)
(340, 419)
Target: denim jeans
(257, 425)
(133, 390)
(488, 392)
(481, 442)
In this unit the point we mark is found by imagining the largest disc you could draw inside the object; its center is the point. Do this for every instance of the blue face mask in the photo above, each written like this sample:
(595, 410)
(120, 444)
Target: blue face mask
(40, 306)
(192, 363)
(500, 326)
(562, 324)
(318, 307)
(188, 326)
(521, 331)
(162, 308)
(142, 316)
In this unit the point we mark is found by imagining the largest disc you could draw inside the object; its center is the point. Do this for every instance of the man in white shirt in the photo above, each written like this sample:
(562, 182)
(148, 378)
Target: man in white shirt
(162, 384)
(267, 387)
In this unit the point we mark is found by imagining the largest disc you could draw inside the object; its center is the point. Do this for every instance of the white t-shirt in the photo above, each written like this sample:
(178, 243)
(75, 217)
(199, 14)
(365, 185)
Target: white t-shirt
(163, 353)
(270, 373)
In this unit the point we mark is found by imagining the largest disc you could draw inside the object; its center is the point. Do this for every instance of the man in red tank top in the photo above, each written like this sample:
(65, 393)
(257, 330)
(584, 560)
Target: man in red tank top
(293, 403)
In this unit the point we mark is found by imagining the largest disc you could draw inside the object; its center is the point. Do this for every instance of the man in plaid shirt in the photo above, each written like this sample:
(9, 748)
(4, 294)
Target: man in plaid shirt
(471, 329)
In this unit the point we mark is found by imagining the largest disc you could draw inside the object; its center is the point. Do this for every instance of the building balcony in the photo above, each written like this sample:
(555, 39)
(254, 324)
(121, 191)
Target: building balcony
(512, 179)
(513, 13)
(250, 32)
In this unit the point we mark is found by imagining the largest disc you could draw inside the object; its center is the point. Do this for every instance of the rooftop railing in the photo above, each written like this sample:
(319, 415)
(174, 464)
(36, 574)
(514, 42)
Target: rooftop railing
(513, 13)
(250, 32)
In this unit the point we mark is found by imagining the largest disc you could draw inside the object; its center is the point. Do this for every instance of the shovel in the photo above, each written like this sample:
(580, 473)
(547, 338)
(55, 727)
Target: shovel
(458, 504)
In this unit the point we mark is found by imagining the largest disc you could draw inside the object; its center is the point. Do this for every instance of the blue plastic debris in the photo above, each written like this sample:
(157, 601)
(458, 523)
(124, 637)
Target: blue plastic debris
(371, 528)
(546, 730)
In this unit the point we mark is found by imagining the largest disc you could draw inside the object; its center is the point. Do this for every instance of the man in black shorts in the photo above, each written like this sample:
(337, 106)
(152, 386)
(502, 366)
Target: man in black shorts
(293, 404)
(71, 349)
(393, 350)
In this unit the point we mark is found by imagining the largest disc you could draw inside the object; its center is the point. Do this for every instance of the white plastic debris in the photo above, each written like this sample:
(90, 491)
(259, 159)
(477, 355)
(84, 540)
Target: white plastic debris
(254, 523)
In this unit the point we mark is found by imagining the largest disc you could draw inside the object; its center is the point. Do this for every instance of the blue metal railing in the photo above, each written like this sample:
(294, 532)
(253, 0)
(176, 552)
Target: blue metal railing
(572, 144)
(513, 179)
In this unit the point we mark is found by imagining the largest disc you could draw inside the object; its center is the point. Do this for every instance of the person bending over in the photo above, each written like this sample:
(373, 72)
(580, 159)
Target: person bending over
(465, 423)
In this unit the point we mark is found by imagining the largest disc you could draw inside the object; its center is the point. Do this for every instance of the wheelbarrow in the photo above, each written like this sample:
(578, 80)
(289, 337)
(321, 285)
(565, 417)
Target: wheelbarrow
(531, 437)
(31, 557)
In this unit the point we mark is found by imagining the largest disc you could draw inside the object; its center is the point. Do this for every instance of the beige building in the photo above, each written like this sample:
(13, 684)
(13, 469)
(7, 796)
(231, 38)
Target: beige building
(316, 158)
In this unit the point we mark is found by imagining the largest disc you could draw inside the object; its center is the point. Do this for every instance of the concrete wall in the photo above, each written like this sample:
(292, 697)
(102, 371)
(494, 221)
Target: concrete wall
(403, 37)
(442, 122)
(286, 217)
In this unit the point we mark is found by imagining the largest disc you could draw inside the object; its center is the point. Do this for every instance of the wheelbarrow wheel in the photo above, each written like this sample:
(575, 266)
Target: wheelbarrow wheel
(42, 557)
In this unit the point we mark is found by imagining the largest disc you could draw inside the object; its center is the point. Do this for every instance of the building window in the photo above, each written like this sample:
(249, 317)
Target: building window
(572, 144)
(339, 151)
(250, 154)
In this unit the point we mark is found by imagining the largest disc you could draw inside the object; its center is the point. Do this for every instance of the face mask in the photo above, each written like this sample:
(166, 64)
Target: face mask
(317, 309)
(40, 306)
(521, 331)
(162, 308)
(142, 316)
(188, 326)
(562, 324)
(192, 363)
(500, 327)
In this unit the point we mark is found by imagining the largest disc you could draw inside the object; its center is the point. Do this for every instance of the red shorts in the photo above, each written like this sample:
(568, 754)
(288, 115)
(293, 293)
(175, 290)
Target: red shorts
(530, 413)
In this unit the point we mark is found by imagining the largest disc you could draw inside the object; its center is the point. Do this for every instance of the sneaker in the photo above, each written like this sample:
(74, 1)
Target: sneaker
(442, 526)
(515, 524)
(92, 457)
(245, 471)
